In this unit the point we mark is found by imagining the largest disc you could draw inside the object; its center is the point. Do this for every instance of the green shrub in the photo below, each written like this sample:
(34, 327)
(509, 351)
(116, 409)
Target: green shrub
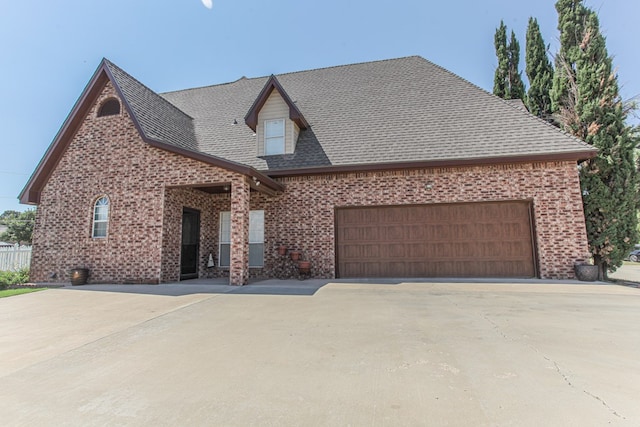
(8, 278)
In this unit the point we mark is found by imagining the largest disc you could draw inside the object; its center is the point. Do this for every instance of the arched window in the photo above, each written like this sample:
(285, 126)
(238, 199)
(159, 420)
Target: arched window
(100, 217)
(110, 107)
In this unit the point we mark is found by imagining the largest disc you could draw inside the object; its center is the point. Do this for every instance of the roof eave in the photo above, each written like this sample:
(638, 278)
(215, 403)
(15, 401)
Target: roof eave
(321, 170)
(257, 176)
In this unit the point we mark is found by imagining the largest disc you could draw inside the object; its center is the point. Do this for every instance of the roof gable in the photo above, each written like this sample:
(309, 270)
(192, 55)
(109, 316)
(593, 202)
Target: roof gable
(251, 119)
(155, 117)
(159, 123)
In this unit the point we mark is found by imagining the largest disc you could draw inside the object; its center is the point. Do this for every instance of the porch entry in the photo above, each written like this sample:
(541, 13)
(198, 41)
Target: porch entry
(189, 254)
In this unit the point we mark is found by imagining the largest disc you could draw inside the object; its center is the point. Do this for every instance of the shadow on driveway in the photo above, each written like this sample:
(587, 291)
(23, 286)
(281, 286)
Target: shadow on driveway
(291, 287)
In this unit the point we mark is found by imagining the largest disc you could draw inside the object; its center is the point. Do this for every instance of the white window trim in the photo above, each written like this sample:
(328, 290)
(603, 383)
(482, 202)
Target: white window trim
(272, 138)
(256, 236)
(100, 221)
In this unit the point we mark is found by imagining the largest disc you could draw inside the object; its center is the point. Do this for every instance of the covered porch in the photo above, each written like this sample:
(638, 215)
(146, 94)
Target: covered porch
(193, 246)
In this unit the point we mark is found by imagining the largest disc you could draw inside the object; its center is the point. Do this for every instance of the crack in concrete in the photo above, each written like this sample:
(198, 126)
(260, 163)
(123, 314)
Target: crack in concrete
(564, 376)
(566, 380)
(497, 328)
(558, 370)
(613, 411)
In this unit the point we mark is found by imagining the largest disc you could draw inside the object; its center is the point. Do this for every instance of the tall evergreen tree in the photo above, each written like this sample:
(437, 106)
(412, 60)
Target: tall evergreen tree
(516, 86)
(539, 71)
(571, 22)
(587, 103)
(500, 81)
(507, 82)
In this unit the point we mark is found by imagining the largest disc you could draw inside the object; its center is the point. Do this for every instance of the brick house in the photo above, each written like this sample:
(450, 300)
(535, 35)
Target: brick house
(388, 168)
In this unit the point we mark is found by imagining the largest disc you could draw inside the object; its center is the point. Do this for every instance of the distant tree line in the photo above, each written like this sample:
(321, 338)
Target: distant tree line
(579, 93)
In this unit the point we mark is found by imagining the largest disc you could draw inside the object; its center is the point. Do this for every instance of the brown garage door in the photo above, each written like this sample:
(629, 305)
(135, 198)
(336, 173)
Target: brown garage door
(439, 240)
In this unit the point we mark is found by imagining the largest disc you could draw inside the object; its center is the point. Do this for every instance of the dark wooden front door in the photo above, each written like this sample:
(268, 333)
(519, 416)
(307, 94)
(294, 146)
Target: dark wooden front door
(190, 244)
(440, 240)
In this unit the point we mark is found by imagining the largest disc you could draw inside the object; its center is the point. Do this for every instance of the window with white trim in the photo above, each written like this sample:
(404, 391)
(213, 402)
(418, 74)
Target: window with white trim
(273, 137)
(100, 218)
(256, 239)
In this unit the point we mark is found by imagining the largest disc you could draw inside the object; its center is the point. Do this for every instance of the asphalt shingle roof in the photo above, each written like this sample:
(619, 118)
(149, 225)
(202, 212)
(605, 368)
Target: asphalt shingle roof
(159, 119)
(400, 110)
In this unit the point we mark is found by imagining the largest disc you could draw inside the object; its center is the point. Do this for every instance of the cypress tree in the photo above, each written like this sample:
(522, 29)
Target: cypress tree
(539, 71)
(507, 83)
(516, 86)
(587, 103)
(500, 81)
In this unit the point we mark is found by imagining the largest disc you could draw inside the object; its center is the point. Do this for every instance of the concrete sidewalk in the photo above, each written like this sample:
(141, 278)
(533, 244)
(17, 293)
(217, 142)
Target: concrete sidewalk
(488, 353)
(290, 286)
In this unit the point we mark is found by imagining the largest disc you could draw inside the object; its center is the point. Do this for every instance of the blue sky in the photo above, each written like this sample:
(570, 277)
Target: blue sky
(51, 49)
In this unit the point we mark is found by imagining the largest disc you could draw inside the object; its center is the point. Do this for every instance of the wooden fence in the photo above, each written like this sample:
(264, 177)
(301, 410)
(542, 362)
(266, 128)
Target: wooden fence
(14, 258)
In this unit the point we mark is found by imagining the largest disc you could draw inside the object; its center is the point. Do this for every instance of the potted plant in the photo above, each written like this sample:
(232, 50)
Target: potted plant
(282, 250)
(586, 271)
(79, 276)
(304, 266)
(295, 255)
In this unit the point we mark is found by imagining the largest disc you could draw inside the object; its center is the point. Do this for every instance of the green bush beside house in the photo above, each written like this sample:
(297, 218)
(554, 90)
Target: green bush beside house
(10, 278)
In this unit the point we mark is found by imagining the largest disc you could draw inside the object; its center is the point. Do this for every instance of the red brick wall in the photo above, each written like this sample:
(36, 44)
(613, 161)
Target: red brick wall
(303, 217)
(108, 157)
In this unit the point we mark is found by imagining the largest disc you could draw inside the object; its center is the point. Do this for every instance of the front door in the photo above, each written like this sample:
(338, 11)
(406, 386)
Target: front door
(190, 244)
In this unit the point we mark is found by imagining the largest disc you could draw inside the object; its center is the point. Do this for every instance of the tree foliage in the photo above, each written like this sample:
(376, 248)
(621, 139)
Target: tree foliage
(586, 101)
(502, 70)
(516, 86)
(539, 72)
(507, 82)
(19, 226)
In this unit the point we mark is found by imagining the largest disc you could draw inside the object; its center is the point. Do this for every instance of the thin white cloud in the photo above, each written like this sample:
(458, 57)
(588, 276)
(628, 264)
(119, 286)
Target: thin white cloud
(207, 3)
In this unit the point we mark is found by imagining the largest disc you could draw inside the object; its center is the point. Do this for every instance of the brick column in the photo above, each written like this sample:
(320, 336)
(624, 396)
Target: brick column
(239, 268)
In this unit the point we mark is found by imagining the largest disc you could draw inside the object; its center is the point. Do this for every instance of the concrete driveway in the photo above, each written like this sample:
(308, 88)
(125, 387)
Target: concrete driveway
(629, 271)
(460, 354)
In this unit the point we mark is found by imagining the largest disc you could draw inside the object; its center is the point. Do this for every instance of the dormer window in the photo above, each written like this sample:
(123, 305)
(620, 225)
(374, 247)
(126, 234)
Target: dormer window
(274, 137)
(276, 120)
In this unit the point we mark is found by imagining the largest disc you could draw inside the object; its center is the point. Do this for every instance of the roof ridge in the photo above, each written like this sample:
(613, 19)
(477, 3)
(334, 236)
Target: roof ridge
(350, 65)
(294, 72)
(208, 86)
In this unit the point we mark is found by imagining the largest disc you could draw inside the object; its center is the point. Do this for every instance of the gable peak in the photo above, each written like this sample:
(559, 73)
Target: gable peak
(251, 119)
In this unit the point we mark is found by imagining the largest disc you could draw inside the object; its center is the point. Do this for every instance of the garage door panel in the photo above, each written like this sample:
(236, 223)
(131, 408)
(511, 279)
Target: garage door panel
(416, 232)
(438, 240)
(393, 215)
(397, 251)
(392, 232)
(417, 250)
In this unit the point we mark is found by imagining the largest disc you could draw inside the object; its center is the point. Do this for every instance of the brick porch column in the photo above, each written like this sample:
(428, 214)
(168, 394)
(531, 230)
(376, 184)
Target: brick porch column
(239, 268)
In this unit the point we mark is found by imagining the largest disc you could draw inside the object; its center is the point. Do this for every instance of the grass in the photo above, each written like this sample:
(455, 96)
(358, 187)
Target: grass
(11, 292)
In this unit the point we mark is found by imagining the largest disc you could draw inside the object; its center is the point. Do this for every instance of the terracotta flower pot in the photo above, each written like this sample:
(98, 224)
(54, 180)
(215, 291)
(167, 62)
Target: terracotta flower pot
(295, 255)
(304, 266)
(282, 250)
